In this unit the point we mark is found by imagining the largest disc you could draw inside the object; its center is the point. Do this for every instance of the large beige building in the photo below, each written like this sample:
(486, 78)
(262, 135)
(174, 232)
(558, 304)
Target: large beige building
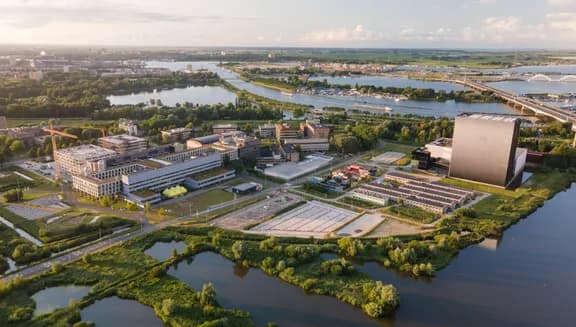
(83, 159)
(123, 143)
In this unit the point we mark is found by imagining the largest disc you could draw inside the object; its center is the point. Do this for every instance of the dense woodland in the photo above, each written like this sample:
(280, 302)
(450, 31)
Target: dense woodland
(79, 95)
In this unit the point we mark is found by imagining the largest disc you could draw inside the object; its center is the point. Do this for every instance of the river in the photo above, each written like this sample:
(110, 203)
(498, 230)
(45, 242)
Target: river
(431, 108)
(524, 279)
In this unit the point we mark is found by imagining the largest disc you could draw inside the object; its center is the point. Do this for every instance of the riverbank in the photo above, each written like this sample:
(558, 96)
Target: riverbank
(127, 272)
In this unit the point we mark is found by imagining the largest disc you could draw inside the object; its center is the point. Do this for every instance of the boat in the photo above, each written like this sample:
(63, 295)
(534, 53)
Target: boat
(290, 94)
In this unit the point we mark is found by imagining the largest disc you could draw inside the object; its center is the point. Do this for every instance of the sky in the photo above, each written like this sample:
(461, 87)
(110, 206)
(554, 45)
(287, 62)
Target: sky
(294, 23)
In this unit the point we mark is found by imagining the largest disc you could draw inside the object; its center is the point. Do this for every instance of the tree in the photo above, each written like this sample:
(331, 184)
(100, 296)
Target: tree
(208, 295)
(17, 146)
(147, 207)
(13, 195)
(350, 247)
(239, 250)
(168, 307)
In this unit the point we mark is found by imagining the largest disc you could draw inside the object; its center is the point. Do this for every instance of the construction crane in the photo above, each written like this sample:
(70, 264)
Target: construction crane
(53, 132)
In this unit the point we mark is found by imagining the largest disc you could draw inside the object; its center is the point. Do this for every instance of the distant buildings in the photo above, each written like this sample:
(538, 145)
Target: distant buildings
(267, 131)
(123, 143)
(176, 135)
(129, 126)
(309, 145)
(224, 128)
(313, 129)
(284, 131)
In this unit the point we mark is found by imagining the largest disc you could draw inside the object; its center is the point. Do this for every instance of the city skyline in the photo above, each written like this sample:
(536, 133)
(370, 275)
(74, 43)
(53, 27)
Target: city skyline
(369, 24)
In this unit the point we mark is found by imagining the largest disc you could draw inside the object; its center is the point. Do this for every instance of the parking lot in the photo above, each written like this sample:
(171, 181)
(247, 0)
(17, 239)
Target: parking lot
(388, 158)
(38, 208)
(43, 169)
(257, 212)
(315, 219)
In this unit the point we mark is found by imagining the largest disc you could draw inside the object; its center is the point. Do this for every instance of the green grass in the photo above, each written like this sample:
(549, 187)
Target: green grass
(358, 203)
(484, 188)
(411, 213)
(397, 147)
(71, 122)
(199, 202)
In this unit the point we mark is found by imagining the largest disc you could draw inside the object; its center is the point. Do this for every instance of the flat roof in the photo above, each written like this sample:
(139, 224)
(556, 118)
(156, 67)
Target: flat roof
(225, 126)
(245, 186)
(292, 170)
(502, 118)
(119, 139)
(443, 141)
(87, 152)
(208, 139)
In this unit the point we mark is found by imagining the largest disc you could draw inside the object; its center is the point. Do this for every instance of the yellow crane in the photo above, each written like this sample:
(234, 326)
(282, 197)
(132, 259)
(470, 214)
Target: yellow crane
(53, 133)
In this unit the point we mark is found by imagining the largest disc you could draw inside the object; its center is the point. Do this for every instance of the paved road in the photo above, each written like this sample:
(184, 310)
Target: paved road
(147, 228)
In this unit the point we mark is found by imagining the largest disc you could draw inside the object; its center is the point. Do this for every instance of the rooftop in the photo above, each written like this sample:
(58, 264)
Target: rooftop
(225, 126)
(120, 139)
(208, 139)
(502, 118)
(87, 152)
(445, 142)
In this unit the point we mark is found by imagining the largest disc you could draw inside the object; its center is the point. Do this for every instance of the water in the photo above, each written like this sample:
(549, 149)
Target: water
(445, 109)
(161, 251)
(203, 95)
(386, 81)
(267, 298)
(524, 279)
(54, 298)
(116, 312)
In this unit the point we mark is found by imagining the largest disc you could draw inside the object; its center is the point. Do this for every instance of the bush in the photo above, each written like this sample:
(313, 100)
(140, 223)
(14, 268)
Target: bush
(13, 195)
(21, 314)
(239, 250)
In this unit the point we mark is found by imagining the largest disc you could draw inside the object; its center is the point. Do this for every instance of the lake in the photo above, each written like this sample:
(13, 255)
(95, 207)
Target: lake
(268, 299)
(117, 312)
(53, 298)
(162, 251)
(203, 95)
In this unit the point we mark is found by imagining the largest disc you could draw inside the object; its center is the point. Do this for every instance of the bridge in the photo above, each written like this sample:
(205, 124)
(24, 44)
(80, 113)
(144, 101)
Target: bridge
(523, 103)
(546, 78)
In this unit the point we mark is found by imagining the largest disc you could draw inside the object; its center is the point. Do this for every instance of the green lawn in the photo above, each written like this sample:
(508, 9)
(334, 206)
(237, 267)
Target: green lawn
(484, 188)
(411, 213)
(199, 202)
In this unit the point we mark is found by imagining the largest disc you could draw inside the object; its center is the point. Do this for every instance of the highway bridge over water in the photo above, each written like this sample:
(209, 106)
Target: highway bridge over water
(523, 103)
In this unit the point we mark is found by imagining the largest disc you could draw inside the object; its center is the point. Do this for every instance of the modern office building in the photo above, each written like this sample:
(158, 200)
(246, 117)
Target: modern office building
(143, 180)
(202, 142)
(484, 149)
(83, 159)
(310, 144)
(267, 131)
(284, 131)
(123, 143)
(314, 129)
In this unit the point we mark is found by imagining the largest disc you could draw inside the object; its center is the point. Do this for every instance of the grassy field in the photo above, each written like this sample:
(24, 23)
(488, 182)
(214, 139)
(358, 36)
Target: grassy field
(415, 214)
(199, 202)
(484, 188)
(71, 122)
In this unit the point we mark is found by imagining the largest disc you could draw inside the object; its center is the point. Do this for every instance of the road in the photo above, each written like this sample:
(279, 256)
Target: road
(147, 228)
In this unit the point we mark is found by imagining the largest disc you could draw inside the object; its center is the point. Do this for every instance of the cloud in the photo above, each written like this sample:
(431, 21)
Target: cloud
(561, 2)
(37, 13)
(343, 35)
(501, 24)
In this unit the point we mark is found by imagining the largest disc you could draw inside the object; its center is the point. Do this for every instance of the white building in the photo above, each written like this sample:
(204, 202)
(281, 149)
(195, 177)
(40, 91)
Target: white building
(80, 160)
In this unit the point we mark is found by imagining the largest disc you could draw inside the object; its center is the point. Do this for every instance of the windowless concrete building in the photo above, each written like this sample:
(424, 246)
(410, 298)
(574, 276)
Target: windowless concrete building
(484, 150)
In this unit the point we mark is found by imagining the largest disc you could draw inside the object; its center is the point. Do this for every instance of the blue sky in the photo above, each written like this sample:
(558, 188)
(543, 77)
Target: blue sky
(311, 23)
